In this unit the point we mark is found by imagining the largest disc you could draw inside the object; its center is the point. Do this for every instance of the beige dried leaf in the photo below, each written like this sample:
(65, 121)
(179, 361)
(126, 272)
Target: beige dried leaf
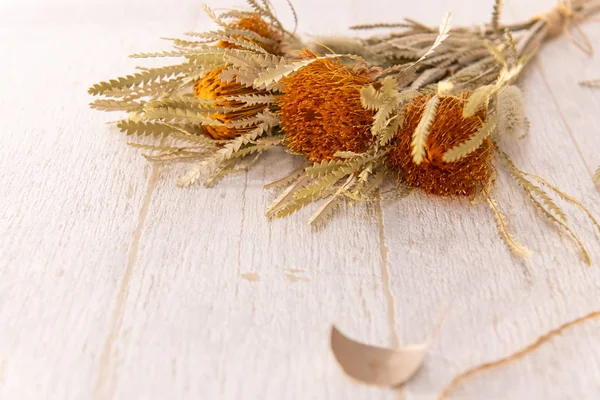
(474, 142)
(478, 99)
(513, 244)
(444, 32)
(374, 365)
(422, 130)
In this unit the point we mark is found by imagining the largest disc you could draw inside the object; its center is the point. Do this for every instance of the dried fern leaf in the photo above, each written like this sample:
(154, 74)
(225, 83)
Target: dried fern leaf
(181, 115)
(230, 38)
(478, 99)
(584, 253)
(192, 176)
(253, 99)
(392, 127)
(146, 128)
(175, 155)
(183, 102)
(265, 117)
(160, 54)
(243, 77)
(144, 77)
(444, 32)
(596, 178)
(233, 33)
(320, 169)
(243, 59)
(286, 180)
(529, 187)
(275, 74)
(236, 14)
(513, 244)
(117, 105)
(567, 197)
(285, 196)
(474, 142)
(316, 189)
(422, 130)
(187, 43)
(325, 212)
(213, 16)
(151, 89)
(371, 98)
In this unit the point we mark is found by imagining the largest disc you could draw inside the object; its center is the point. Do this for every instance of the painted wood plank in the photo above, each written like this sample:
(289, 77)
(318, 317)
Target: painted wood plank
(448, 252)
(221, 303)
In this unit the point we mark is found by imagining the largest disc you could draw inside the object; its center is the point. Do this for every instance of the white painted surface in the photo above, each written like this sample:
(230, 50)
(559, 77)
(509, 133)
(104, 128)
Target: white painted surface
(114, 284)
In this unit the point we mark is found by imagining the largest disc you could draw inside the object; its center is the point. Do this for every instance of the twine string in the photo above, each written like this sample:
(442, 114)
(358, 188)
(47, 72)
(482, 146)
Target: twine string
(559, 21)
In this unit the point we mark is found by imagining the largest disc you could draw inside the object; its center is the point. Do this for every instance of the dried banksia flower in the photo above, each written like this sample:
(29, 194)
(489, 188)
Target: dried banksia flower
(211, 87)
(448, 129)
(206, 110)
(321, 111)
(254, 29)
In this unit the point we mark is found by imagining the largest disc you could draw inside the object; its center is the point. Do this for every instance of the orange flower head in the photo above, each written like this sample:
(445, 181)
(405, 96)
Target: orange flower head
(258, 26)
(321, 111)
(210, 87)
(448, 129)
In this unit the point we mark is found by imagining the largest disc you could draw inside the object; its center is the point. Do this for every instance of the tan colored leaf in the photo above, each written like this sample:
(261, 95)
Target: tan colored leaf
(374, 365)
(473, 143)
(478, 99)
(422, 130)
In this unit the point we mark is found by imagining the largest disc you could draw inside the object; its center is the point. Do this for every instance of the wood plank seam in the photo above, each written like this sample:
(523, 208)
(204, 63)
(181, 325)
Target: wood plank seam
(561, 115)
(104, 390)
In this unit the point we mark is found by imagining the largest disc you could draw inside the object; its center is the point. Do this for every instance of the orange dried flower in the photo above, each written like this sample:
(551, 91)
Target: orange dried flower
(258, 26)
(210, 87)
(321, 111)
(449, 128)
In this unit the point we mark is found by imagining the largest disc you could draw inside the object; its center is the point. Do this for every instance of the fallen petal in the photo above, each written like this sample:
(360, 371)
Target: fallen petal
(375, 365)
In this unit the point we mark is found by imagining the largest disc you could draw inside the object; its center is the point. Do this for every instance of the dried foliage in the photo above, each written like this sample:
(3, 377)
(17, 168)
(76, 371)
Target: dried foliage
(421, 106)
(207, 110)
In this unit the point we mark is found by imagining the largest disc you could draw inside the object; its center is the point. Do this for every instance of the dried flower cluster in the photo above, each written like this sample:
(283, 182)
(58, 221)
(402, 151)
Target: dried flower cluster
(420, 107)
(319, 123)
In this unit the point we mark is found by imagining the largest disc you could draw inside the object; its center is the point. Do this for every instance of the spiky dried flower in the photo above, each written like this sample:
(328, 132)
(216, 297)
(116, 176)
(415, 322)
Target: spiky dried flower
(211, 87)
(259, 26)
(448, 129)
(321, 111)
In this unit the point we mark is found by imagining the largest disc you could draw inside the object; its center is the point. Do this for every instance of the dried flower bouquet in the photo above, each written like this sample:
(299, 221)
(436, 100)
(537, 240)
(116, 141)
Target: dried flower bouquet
(426, 107)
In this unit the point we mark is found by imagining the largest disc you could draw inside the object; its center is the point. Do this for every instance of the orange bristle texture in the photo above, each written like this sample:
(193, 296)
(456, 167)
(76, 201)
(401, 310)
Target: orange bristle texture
(210, 87)
(321, 111)
(461, 178)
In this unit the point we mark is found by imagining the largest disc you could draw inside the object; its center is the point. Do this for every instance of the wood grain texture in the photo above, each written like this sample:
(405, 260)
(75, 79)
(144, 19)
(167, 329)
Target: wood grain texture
(115, 284)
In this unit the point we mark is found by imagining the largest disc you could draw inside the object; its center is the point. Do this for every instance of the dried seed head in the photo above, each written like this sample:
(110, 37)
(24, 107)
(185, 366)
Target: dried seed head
(321, 111)
(210, 87)
(448, 129)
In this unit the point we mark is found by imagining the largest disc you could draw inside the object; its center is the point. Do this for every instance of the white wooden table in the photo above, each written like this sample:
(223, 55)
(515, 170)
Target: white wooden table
(115, 284)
